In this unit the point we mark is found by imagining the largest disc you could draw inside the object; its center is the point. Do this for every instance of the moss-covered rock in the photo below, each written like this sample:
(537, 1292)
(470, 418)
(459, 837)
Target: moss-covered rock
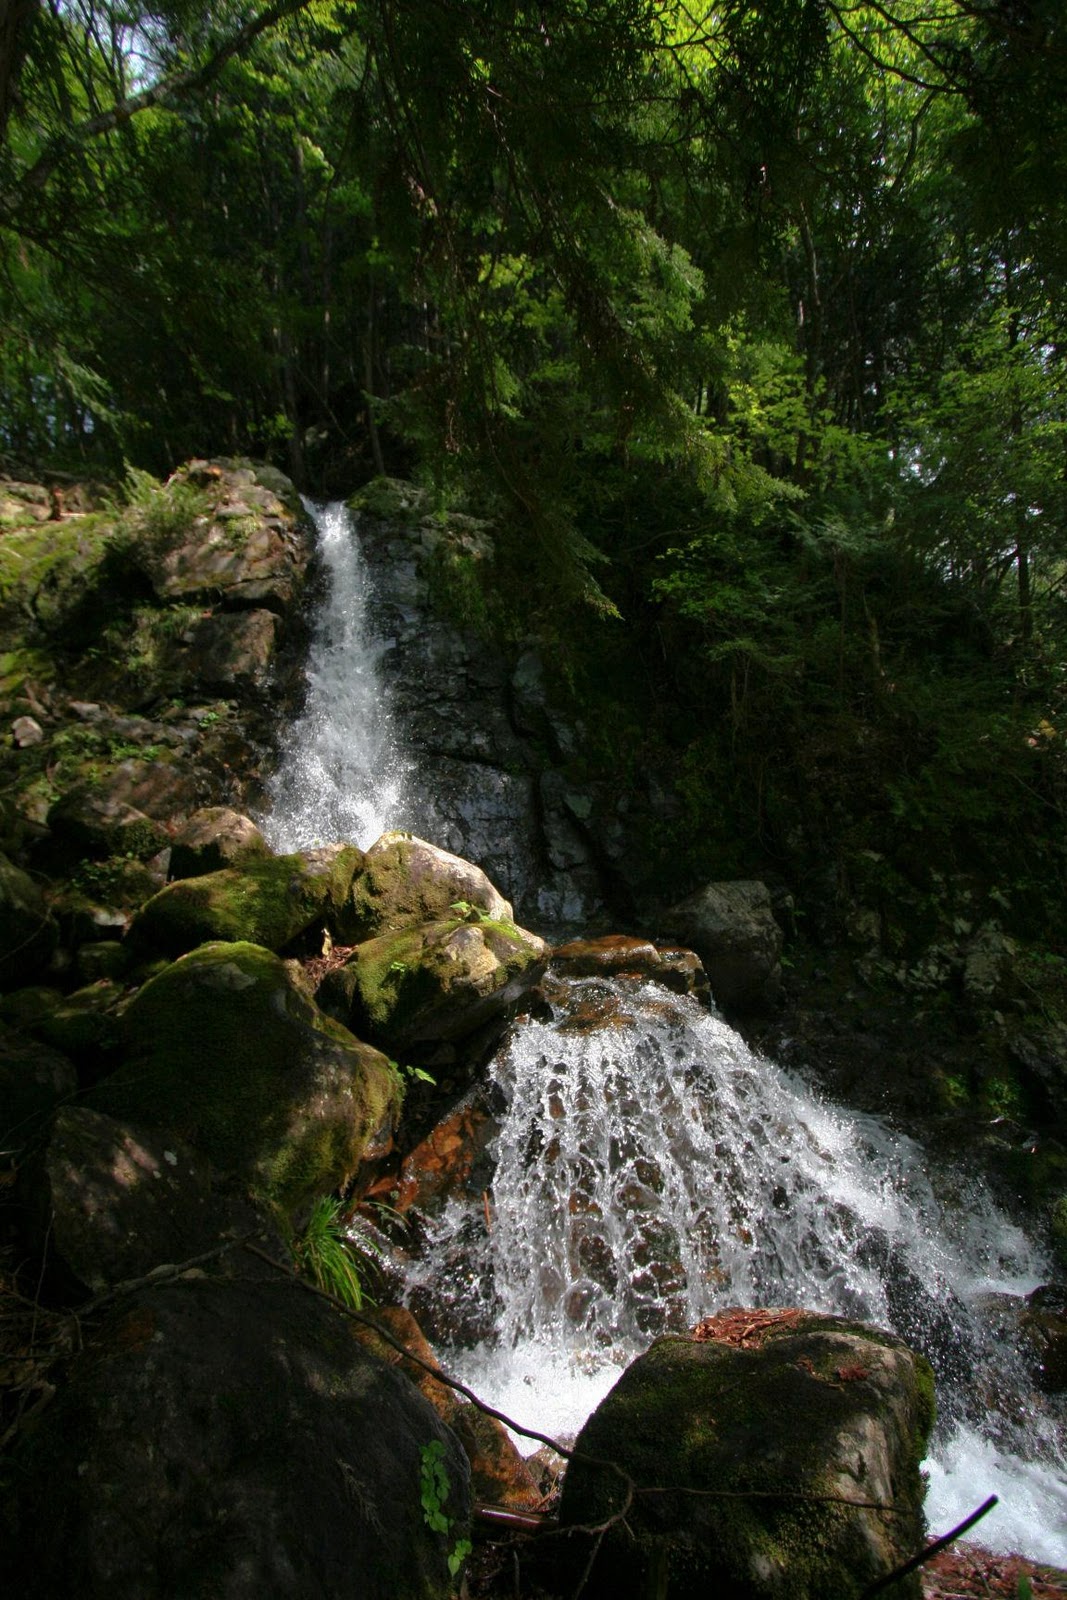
(405, 881)
(214, 838)
(28, 933)
(765, 1440)
(438, 981)
(91, 821)
(223, 1049)
(267, 902)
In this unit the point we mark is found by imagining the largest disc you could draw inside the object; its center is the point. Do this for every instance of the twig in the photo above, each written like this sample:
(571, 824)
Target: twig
(931, 1549)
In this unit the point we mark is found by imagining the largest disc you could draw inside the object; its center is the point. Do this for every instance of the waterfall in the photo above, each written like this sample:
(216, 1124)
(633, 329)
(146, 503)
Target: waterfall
(651, 1170)
(342, 774)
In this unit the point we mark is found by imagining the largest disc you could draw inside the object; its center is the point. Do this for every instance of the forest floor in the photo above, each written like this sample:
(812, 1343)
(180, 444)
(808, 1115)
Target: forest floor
(967, 1572)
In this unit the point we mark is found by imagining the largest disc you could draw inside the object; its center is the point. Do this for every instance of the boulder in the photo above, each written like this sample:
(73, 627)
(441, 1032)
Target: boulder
(108, 1201)
(245, 547)
(733, 931)
(405, 881)
(1044, 1325)
(232, 653)
(232, 1439)
(803, 1413)
(452, 1161)
(224, 1050)
(88, 821)
(268, 901)
(34, 1080)
(28, 933)
(439, 981)
(212, 839)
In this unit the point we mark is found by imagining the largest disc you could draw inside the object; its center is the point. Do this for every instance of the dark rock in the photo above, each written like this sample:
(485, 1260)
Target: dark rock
(732, 929)
(28, 932)
(34, 1080)
(789, 1406)
(442, 1166)
(113, 1202)
(1044, 1324)
(95, 823)
(231, 1439)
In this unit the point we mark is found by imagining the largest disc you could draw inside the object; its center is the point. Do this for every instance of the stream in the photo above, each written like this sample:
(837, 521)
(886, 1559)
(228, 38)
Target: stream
(651, 1170)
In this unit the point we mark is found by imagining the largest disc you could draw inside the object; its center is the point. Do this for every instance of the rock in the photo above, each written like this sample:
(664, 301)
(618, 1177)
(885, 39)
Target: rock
(439, 981)
(733, 931)
(107, 959)
(34, 1080)
(1044, 1324)
(499, 1475)
(212, 839)
(83, 1025)
(113, 1202)
(405, 881)
(229, 654)
(254, 558)
(988, 967)
(232, 1439)
(786, 1404)
(26, 731)
(269, 902)
(222, 1049)
(452, 1161)
(678, 970)
(28, 932)
(88, 822)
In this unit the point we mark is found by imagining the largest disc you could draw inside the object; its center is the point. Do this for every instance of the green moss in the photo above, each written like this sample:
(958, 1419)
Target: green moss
(223, 1050)
(266, 902)
(391, 500)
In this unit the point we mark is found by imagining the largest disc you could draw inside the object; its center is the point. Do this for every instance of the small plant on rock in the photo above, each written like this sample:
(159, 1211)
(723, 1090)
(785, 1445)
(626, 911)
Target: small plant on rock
(336, 1257)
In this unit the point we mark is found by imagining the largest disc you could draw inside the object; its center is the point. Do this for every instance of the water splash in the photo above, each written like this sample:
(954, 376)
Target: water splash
(343, 774)
(652, 1170)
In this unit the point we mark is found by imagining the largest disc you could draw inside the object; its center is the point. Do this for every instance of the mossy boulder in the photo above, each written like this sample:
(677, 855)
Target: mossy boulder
(801, 1412)
(440, 981)
(405, 881)
(212, 839)
(90, 821)
(28, 932)
(225, 1050)
(269, 902)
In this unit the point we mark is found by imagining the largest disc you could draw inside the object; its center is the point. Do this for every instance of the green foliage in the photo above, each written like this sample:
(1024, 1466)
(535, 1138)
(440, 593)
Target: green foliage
(335, 1254)
(435, 1489)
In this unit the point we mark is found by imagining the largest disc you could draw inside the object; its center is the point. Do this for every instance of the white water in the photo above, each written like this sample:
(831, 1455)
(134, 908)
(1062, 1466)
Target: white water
(653, 1171)
(343, 773)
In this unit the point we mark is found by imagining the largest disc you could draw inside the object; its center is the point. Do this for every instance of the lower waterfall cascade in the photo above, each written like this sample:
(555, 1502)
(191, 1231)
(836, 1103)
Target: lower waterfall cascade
(651, 1170)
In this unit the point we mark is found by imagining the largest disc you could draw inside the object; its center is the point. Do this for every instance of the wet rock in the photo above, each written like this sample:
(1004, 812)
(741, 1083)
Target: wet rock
(732, 929)
(451, 1162)
(1044, 1324)
(499, 1475)
(224, 1438)
(788, 1405)
(28, 932)
(678, 970)
(441, 980)
(405, 881)
(268, 902)
(213, 838)
(224, 1050)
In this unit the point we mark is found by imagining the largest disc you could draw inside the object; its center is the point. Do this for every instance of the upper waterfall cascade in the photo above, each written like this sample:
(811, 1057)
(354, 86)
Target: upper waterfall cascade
(342, 775)
(650, 1170)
